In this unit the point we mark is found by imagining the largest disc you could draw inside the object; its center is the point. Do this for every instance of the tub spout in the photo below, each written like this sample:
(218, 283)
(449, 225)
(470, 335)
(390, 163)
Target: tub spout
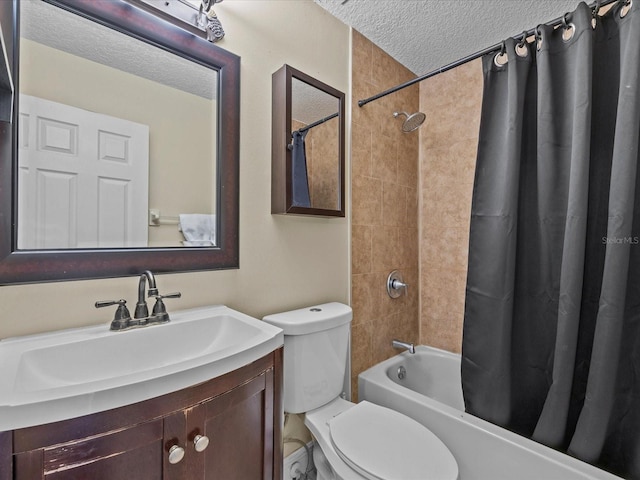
(405, 345)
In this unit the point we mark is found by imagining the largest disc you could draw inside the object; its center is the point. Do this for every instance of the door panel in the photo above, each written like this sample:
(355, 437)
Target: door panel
(83, 179)
(237, 446)
(235, 427)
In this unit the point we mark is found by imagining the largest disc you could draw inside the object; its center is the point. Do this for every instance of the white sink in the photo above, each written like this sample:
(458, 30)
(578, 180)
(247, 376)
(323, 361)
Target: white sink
(69, 373)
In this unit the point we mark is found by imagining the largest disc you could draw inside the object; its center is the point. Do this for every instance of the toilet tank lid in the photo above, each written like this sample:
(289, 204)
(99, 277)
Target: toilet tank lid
(311, 319)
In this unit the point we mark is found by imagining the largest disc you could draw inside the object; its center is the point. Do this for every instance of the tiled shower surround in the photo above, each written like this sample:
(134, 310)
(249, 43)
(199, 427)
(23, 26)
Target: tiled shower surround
(411, 201)
(448, 145)
(384, 176)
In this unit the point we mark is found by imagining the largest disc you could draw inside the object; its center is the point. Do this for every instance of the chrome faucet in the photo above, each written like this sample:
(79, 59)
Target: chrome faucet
(122, 318)
(405, 345)
(142, 311)
(141, 317)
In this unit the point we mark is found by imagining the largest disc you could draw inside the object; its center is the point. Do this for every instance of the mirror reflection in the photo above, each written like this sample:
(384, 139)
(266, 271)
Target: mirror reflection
(315, 131)
(307, 145)
(117, 139)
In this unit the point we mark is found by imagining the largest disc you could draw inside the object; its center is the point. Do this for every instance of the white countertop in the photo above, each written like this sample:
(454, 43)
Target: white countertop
(69, 373)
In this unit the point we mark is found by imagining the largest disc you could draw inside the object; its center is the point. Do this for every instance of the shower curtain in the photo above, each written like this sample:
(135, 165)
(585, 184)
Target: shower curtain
(551, 338)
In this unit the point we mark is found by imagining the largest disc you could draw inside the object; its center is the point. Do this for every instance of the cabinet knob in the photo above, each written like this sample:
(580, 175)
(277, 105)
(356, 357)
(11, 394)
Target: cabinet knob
(176, 454)
(200, 443)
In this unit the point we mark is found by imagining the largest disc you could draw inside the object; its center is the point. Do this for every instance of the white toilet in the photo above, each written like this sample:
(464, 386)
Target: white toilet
(356, 441)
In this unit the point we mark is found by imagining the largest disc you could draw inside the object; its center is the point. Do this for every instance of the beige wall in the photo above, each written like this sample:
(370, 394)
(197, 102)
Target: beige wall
(448, 143)
(98, 88)
(285, 262)
(384, 208)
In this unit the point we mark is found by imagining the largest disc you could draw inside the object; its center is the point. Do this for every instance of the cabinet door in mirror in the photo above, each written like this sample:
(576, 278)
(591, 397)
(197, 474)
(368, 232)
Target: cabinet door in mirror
(307, 146)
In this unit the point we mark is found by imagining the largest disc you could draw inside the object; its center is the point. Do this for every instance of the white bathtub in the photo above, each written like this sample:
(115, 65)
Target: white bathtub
(431, 393)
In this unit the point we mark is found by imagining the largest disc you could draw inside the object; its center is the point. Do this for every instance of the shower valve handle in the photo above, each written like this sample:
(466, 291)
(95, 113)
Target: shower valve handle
(396, 285)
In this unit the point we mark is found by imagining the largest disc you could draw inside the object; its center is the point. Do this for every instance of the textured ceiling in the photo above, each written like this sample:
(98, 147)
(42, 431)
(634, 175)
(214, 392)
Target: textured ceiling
(309, 104)
(59, 29)
(425, 35)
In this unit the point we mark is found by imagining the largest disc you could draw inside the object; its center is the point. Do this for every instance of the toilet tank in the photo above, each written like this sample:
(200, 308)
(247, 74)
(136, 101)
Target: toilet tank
(316, 346)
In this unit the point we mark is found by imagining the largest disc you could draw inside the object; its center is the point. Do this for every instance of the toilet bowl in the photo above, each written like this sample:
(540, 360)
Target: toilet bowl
(353, 441)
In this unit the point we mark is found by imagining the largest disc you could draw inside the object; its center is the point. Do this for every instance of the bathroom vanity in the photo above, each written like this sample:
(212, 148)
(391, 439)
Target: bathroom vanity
(231, 420)
(211, 410)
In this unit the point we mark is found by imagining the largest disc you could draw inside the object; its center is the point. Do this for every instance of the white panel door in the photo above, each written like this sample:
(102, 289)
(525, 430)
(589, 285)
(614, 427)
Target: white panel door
(83, 178)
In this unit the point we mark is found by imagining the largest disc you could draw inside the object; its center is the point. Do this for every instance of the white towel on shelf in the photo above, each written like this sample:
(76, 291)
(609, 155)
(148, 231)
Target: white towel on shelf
(198, 229)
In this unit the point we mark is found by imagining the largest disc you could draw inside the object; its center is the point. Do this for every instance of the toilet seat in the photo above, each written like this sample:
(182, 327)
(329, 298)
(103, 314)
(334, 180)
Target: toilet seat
(382, 444)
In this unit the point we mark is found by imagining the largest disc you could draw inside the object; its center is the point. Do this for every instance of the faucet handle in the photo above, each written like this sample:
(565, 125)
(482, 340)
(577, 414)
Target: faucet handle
(159, 310)
(170, 295)
(396, 285)
(122, 315)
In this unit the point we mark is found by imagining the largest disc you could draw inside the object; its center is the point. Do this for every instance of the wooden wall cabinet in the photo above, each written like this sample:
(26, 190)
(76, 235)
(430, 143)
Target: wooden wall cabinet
(240, 413)
(307, 146)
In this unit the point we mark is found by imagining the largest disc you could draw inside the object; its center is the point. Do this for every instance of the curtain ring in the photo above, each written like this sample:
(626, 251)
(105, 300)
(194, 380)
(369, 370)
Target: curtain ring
(538, 35)
(521, 46)
(501, 58)
(594, 14)
(523, 40)
(569, 29)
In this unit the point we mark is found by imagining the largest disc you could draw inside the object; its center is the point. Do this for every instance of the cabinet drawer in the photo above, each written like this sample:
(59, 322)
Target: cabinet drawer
(111, 456)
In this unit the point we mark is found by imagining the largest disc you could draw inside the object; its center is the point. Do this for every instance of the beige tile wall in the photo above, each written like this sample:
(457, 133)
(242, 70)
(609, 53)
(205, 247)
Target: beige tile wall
(448, 142)
(322, 160)
(384, 224)
(321, 148)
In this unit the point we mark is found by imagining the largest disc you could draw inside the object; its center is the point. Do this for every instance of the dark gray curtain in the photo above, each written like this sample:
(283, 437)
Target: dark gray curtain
(551, 344)
(301, 196)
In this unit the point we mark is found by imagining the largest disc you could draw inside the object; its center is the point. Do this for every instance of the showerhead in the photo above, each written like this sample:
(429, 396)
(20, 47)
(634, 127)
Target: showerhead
(412, 122)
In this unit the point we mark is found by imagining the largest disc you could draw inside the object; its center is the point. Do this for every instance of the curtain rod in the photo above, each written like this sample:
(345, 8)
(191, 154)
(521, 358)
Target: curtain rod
(319, 122)
(468, 58)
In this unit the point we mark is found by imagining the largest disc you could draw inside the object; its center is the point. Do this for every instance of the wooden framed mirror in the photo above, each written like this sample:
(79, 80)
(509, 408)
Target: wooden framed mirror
(215, 71)
(308, 146)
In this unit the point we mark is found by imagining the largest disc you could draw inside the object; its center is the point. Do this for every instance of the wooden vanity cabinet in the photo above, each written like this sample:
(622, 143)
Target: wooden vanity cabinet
(240, 413)
(5, 456)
